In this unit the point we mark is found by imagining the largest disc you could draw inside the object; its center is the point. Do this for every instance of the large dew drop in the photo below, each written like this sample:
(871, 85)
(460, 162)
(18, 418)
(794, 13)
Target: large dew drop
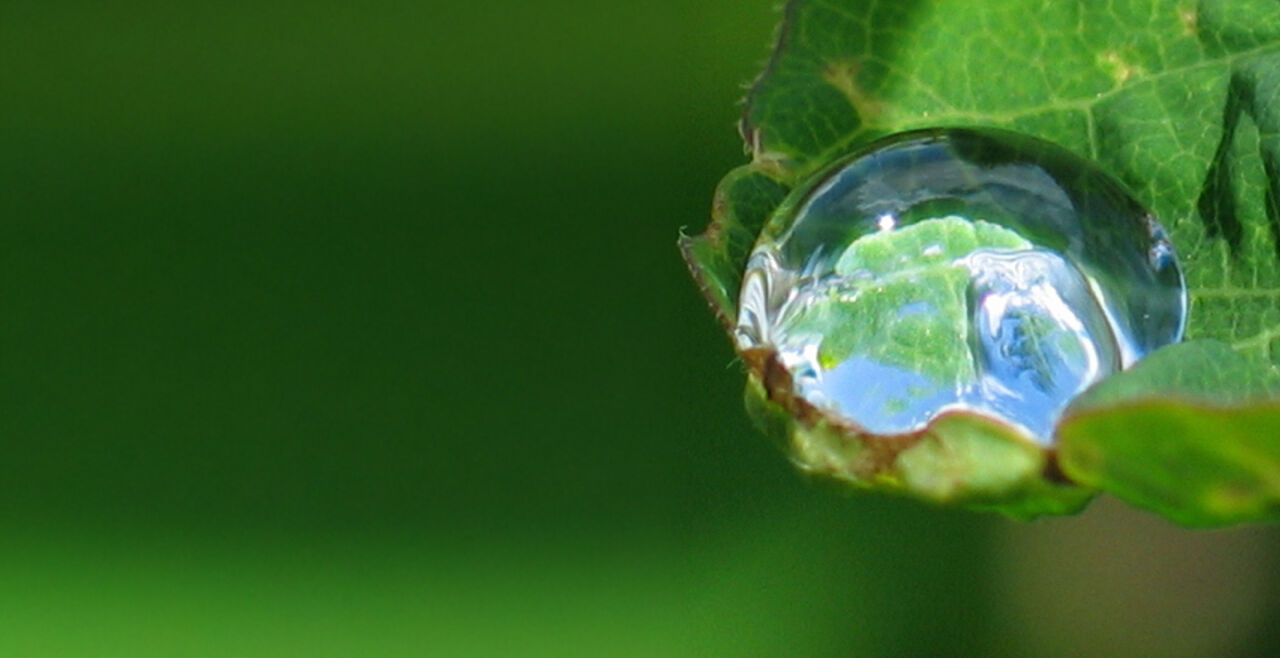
(978, 270)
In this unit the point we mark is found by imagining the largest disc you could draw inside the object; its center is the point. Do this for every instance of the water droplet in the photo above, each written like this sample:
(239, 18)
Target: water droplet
(959, 269)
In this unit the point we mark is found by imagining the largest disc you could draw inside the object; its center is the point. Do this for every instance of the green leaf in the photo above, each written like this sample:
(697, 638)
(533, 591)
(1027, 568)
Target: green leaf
(963, 459)
(1197, 465)
(1199, 371)
(1189, 432)
(743, 203)
(1179, 99)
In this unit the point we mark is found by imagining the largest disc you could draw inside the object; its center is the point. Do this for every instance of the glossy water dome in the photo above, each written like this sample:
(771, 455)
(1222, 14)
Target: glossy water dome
(979, 270)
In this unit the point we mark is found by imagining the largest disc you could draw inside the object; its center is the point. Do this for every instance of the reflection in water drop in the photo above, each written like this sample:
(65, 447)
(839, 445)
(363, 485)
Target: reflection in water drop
(959, 269)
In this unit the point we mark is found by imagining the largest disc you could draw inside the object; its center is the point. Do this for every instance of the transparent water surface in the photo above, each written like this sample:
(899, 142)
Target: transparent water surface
(959, 269)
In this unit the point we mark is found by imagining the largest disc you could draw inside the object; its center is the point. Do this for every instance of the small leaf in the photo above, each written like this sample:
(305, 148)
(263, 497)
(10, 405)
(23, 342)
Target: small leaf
(962, 459)
(1188, 433)
(1201, 371)
(1199, 466)
(1180, 100)
(743, 203)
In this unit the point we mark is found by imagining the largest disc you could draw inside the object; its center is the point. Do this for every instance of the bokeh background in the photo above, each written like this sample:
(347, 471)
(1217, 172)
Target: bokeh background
(334, 329)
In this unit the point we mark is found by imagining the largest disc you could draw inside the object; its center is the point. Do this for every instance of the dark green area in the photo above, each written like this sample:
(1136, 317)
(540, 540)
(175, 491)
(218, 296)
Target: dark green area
(336, 330)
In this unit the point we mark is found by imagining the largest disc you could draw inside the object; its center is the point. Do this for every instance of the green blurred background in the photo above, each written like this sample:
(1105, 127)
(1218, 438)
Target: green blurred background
(336, 329)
